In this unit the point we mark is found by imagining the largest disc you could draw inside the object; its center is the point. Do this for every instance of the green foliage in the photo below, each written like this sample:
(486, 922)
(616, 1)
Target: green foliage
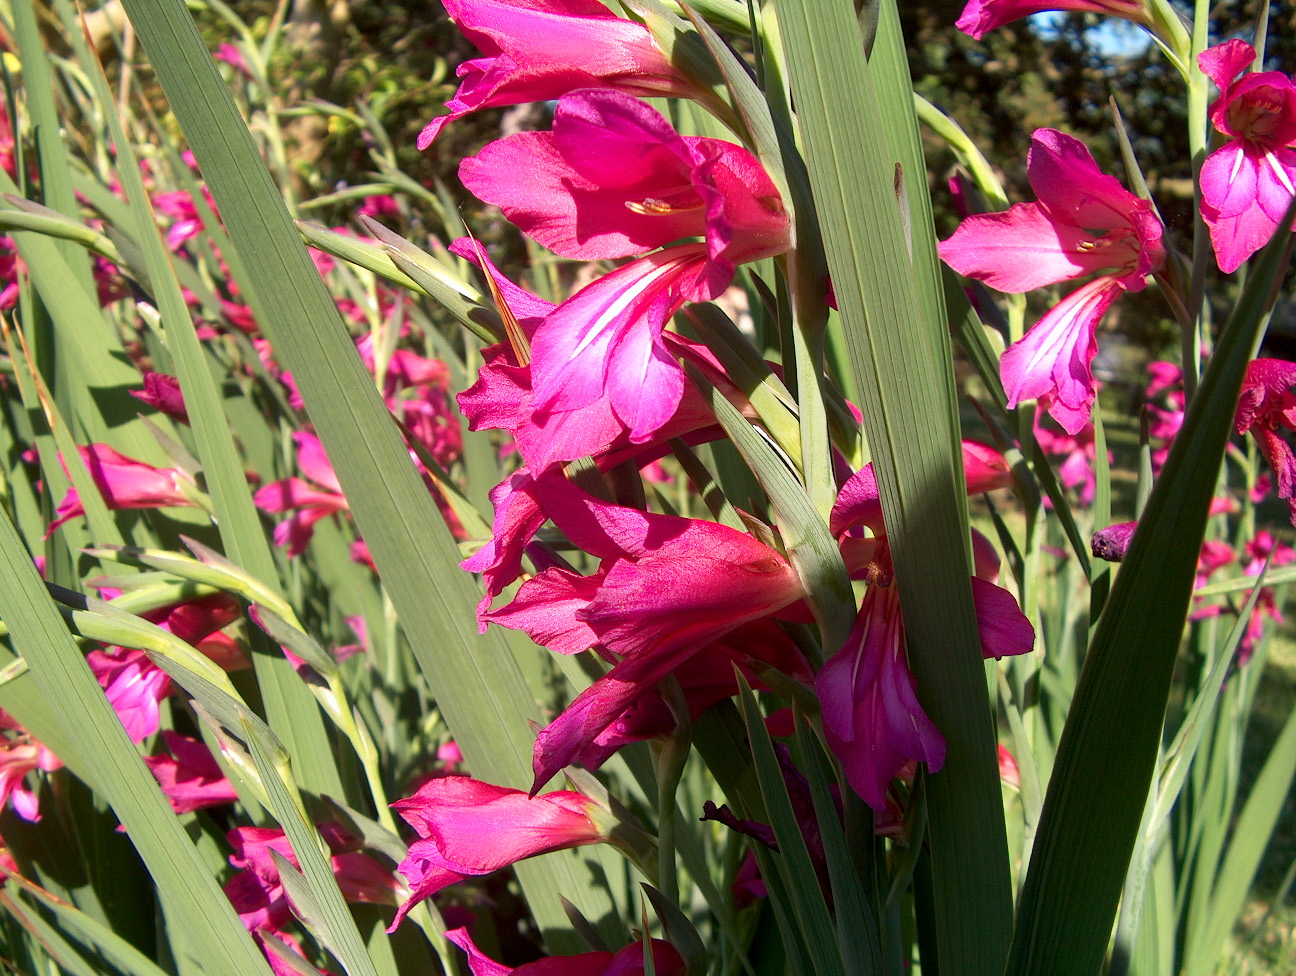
(1136, 779)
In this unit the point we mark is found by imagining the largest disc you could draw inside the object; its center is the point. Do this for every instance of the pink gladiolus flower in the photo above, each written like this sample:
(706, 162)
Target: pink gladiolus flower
(599, 365)
(614, 179)
(629, 961)
(1247, 183)
(232, 56)
(1076, 452)
(596, 414)
(1084, 222)
(124, 483)
(1265, 407)
(871, 714)
(982, 16)
(190, 778)
(307, 502)
(538, 50)
(162, 392)
(469, 828)
(20, 754)
(667, 588)
(664, 582)
(257, 892)
(134, 686)
(872, 717)
(1009, 771)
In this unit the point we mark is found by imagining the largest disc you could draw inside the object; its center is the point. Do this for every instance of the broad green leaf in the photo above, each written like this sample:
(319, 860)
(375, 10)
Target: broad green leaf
(476, 683)
(792, 860)
(191, 898)
(895, 341)
(1251, 833)
(1113, 731)
(290, 707)
(91, 932)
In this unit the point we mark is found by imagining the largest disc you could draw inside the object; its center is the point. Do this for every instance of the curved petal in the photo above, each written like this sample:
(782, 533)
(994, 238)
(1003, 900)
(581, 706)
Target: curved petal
(1224, 62)
(1244, 195)
(518, 518)
(982, 16)
(542, 186)
(1003, 627)
(871, 714)
(546, 608)
(1021, 249)
(1051, 362)
(600, 353)
(1072, 188)
(541, 49)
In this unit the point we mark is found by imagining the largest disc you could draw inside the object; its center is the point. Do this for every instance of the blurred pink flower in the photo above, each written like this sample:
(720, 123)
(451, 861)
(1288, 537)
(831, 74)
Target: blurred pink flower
(162, 392)
(538, 50)
(124, 483)
(1084, 222)
(21, 754)
(232, 56)
(1077, 453)
(1266, 407)
(1009, 772)
(1247, 183)
(257, 892)
(469, 828)
(190, 778)
(982, 16)
(309, 501)
(179, 206)
(1164, 421)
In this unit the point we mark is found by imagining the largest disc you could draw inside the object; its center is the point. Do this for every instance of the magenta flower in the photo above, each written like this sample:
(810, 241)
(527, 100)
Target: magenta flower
(665, 581)
(538, 50)
(469, 828)
(629, 961)
(667, 588)
(124, 483)
(872, 717)
(1265, 407)
(503, 398)
(190, 778)
(982, 16)
(1074, 455)
(20, 754)
(1247, 183)
(1084, 222)
(134, 686)
(614, 179)
(257, 892)
(599, 364)
(162, 392)
(232, 56)
(307, 502)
